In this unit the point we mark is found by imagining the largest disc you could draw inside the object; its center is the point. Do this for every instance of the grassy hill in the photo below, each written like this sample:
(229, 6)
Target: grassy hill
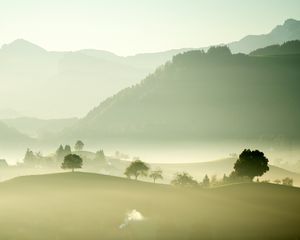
(90, 206)
(116, 167)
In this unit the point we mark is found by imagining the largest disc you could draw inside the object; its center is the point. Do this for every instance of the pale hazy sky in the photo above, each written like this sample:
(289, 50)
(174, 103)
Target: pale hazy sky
(127, 27)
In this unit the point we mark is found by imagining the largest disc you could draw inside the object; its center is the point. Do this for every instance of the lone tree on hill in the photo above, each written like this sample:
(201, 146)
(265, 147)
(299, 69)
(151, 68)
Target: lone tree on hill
(79, 145)
(156, 174)
(72, 161)
(251, 164)
(137, 168)
(184, 180)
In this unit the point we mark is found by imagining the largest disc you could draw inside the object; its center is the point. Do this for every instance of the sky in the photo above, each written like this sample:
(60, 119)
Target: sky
(127, 27)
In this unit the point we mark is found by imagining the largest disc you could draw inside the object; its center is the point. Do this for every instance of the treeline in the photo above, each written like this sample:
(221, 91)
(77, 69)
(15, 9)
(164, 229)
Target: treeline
(38, 160)
(288, 48)
(249, 165)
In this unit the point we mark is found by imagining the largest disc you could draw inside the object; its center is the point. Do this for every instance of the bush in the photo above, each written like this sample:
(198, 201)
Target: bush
(287, 181)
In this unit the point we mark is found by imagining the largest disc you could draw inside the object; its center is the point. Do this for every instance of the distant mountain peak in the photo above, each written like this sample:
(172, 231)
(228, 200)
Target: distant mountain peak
(22, 46)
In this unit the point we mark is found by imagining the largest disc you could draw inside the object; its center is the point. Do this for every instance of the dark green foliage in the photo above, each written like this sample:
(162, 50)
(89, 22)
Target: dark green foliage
(72, 161)
(219, 51)
(137, 168)
(184, 180)
(291, 47)
(156, 174)
(79, 145)
(251, 164)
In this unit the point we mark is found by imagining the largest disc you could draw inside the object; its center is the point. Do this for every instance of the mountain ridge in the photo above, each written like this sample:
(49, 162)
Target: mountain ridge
(137, 114)
(96, 72)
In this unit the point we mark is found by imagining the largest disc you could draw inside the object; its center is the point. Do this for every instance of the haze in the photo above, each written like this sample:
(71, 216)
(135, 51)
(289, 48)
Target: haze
(136, 26)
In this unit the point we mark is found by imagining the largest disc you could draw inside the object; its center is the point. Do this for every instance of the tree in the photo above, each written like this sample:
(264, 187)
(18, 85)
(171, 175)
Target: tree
(137, 168)
(30, 158)
(100, 156)
(79, 145)
(219, 51)
(277, 181)
(156, 174)
(72, 161)
(251, 164)
(183, 179)
(60, 153)
(225, 178)
(287, 181)
(206, 181)
(67, 150)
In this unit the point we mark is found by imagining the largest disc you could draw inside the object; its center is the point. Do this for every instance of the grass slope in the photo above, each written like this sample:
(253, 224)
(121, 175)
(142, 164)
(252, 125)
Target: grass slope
(91, 206)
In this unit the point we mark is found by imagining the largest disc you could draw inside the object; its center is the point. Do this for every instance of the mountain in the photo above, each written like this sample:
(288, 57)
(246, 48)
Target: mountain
(39, 128)
(10, 137)
(290, 30)
(45, 78)
(9, 113)
(200, 96)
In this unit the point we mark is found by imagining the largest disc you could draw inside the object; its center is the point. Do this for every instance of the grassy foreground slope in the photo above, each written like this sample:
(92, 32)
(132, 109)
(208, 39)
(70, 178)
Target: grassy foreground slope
(91, 206)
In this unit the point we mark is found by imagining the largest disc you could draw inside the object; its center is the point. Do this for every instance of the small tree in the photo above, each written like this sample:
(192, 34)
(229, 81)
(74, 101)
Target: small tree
(62, 151)
(206, 181)
(79, 145)
(251, 164)
(137, 168)
(156, 174)
(30, 158)
(72, 161)
(100, 156)
(183, 179)
(225, 179)
(287, 181)
(277, 181)
(67, 150)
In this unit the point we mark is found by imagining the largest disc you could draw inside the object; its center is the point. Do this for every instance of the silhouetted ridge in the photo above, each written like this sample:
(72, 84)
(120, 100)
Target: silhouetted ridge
(204, 95)
(291, 47)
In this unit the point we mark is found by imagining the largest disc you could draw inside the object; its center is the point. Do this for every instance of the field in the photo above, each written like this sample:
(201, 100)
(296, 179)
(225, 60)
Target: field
(92, 206)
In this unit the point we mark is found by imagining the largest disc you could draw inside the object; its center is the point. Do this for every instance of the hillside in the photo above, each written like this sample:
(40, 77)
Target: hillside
(10, 137)
(44, 77)
(203, 96)
(288, 48)
(90, 206)
(39, 128)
